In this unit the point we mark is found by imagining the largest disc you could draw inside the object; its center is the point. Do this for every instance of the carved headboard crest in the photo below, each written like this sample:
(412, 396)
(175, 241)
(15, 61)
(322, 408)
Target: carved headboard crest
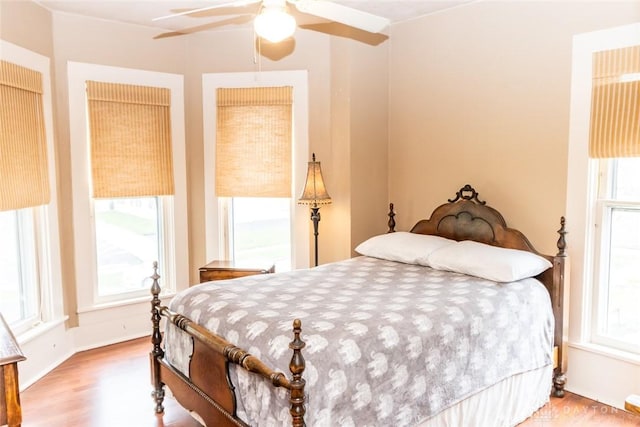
(461, 194)
(466, 217)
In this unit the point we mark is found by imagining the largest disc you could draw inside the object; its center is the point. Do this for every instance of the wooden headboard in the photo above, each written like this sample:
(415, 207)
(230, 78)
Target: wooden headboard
(466, 217)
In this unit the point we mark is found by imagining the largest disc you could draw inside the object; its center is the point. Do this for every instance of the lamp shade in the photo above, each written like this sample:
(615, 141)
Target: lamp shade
(315, 192)
(274, 24)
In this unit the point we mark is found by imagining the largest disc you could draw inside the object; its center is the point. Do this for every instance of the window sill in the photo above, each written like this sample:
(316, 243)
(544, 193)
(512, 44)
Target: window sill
(123, 303)
(39, 329)
(624, 356)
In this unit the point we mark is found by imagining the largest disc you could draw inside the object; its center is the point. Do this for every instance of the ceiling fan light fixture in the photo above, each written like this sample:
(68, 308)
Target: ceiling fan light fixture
(274, 24)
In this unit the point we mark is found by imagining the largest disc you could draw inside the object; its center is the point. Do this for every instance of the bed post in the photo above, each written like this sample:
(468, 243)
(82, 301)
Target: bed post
(392, 221)
(156, 339)
(561, 310)
(296, 366)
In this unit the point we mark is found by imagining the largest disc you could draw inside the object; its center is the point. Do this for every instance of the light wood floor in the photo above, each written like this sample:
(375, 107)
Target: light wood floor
(109, 387)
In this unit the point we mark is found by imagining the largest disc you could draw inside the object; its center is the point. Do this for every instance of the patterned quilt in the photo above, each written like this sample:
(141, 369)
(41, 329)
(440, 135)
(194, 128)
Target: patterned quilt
(388, 344)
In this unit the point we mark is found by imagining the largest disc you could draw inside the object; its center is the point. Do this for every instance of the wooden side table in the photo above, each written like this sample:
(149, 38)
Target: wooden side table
(632, 403)
(10, 355)
(220, 270)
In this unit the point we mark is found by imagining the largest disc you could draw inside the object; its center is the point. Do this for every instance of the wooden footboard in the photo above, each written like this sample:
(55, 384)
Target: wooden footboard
(208, 390)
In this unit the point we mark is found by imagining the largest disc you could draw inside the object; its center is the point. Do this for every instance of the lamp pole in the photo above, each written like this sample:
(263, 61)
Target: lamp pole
(315, 217)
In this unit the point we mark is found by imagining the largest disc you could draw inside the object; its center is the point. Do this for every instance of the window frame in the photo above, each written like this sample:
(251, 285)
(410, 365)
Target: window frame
(175, 275)
(217, 210)
(44, 218)
(603, 206)
(26, 243)
(581, 182)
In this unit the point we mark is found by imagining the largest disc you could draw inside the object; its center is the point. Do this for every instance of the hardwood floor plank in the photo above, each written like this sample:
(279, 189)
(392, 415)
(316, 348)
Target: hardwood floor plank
(110, 387)
(574, 410)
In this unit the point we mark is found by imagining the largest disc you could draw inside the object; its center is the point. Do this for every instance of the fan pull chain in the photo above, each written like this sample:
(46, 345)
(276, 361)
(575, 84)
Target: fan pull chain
(257, 53)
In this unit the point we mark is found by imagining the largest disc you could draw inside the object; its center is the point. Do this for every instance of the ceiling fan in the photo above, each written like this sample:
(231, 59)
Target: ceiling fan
(273, 23)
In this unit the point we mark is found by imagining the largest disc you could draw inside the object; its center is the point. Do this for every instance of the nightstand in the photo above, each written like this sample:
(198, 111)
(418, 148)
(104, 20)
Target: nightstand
(220, 270)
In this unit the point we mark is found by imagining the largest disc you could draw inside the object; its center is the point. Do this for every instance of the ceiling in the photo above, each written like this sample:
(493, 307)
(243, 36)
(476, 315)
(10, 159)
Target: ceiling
(142, 12)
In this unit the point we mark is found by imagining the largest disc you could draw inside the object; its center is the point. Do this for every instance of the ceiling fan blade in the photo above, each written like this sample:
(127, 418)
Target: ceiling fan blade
(237, 3)
(342, 14)
(236, 20)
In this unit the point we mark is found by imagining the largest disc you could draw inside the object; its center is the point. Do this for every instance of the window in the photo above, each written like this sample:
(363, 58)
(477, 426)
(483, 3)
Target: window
(29, 253)
(590, 351)
(128, 241)
(253, 172)
(260, 231)
(617, 251)
(128, 132)
(19, 287)
(244, 227)
(614, 149)
(129, 184)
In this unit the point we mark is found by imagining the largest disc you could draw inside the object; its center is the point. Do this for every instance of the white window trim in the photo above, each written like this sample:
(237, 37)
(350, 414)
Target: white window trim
(214, 210)
(78, 74)
(46, 221)
(580, 181)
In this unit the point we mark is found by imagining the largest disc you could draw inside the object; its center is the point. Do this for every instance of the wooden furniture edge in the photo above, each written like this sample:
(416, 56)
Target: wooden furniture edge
(223, 269)
(632, 404)
(10, 355)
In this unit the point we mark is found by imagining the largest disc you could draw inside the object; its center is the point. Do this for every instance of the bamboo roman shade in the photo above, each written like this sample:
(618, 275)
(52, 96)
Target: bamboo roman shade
(130, 128)
(615, 104)
(253, 142)
(23, 147)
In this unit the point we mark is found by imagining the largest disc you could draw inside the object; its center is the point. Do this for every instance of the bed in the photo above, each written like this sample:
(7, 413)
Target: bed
(459, 321)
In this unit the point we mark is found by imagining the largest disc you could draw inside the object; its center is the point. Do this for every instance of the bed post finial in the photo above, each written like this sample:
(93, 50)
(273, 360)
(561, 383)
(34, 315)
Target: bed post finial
(392, 222)
(562, 243)
(296, 366)
(156, 340)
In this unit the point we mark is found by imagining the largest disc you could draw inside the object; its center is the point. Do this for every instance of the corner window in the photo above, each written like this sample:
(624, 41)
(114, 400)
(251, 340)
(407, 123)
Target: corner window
(30, 251)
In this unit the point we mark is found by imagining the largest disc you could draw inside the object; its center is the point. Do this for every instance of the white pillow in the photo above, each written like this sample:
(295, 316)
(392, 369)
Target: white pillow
(488, 262)
(402, 246)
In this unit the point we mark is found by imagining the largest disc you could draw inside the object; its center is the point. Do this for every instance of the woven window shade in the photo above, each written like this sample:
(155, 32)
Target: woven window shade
(24, 172)
(615, 104)
(130, 130)
(253, 142)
